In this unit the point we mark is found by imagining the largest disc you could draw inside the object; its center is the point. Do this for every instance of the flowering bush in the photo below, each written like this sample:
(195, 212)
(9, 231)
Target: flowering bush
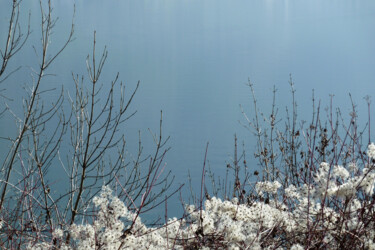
(333, 210)
(313, 193)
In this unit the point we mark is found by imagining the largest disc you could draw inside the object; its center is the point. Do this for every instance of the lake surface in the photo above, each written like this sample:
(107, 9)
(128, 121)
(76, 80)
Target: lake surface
(194, 59)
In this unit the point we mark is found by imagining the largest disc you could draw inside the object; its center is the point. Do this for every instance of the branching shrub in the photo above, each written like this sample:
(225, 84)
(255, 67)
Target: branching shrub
(314, 188)
(83, 147)
(333, 212)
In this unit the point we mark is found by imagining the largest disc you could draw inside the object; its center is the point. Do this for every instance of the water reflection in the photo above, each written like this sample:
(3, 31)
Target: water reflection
(194, 58)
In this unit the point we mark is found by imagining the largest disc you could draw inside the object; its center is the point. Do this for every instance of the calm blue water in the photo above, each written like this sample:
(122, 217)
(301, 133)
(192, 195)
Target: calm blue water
(194, 58)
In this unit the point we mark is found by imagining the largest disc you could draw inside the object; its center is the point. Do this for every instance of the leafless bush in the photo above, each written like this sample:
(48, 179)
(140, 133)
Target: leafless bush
(86, 143)
(291, 152)
(314, 187)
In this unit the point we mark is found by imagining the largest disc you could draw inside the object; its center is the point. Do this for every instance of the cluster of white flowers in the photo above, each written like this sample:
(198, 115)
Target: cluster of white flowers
(335, 197)
(240, 224)
(336, 181)
(267, 187)
(371, 151)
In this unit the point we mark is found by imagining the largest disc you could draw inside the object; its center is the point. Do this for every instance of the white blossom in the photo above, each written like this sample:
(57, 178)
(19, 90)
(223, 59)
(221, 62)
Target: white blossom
(371, 150)
(267, 187)
(240, 226)
(297, 247)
